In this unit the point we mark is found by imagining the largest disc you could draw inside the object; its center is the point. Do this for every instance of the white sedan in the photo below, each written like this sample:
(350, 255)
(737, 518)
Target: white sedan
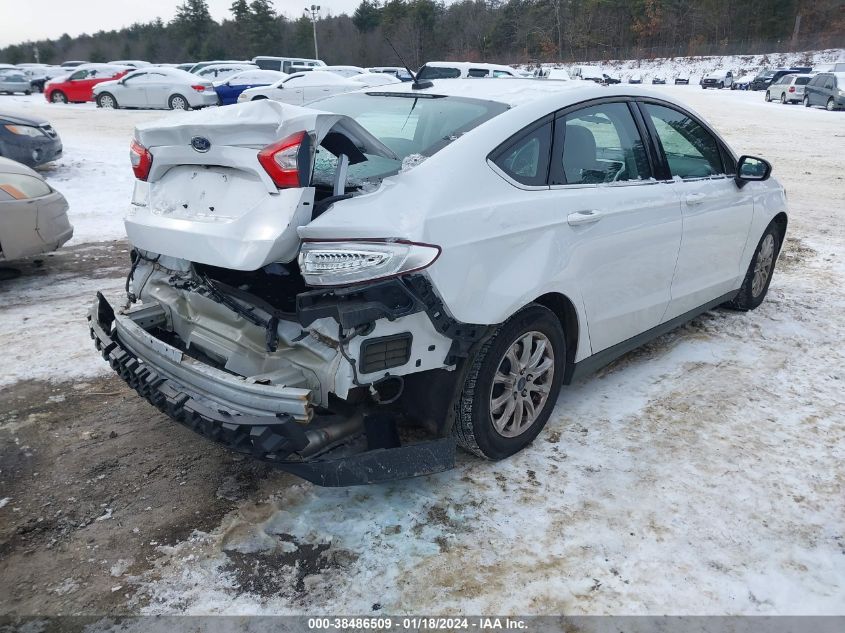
(301, 88)
(461, 250)
(33, 216)
(156, 87)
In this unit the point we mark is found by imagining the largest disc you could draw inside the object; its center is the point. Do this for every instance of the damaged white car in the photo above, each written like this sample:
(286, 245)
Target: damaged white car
(350, 290)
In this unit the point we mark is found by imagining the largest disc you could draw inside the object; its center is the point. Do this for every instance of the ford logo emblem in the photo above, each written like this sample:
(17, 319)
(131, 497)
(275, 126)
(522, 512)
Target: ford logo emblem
(200, 143)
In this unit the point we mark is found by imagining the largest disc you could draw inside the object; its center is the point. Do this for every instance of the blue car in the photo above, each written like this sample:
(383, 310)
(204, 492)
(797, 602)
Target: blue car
(229, 89)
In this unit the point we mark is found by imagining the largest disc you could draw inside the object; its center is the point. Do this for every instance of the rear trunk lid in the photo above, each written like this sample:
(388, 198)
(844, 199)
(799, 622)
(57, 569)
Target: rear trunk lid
(207, 197)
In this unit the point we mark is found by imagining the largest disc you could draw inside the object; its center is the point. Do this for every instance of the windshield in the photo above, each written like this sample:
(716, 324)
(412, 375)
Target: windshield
(413, 126)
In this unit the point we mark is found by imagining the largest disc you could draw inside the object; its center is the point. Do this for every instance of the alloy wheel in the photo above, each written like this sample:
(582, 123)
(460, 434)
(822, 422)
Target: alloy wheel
(106, 101)
(830, 105)
(178, 103)
(763, 265)
(522, 384)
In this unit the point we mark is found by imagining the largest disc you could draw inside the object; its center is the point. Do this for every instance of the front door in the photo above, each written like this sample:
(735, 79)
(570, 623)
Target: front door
(717, 214)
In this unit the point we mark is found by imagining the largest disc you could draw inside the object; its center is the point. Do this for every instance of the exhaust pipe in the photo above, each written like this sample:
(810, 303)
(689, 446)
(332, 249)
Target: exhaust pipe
(324, 437)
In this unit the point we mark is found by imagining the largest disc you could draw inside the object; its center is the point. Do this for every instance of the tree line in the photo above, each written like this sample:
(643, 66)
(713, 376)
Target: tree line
(506, 31)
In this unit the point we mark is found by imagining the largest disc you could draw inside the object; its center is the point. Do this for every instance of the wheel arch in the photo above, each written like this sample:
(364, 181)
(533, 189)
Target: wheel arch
(564, 309)
(781, 221)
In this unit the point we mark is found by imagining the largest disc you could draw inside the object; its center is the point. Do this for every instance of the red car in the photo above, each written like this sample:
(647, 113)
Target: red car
(76, 87)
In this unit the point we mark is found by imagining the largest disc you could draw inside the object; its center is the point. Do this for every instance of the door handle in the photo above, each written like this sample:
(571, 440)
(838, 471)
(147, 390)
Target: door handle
(695, 199)
(583, 217)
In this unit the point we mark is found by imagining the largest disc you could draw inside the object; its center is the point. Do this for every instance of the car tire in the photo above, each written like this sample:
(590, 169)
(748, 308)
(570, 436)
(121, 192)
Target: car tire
(760, 271)
(107, 101)
(831, 105)
(27, 92)
(783, 98)
(532, 338)
(178, 102)
(806, 102)
(58, 97)
(721, 85)
(768, 97)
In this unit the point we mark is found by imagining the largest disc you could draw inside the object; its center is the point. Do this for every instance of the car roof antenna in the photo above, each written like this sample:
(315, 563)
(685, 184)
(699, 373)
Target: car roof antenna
(416, 84)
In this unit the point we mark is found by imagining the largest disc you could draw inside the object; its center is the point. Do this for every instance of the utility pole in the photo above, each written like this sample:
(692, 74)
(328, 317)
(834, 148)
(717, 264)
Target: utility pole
(314, 13)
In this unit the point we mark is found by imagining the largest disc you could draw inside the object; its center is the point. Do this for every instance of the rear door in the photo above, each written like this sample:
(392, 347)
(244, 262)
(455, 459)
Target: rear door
(625, 225)
(131, 93)
(157, 89)
(716, 213)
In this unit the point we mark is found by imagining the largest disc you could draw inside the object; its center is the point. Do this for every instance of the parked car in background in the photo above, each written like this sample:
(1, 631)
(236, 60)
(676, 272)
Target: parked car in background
(827, 90)
(788, 89)
(456, 70)
(342, 278)
(219, 72)
(717, 79)
(743, 82)
(343, 71)
(231, 88)
(33, 215)
(559, 74)
(836, 67)
(78, 86)
(169, 88)
(300, 88)
(636, 78)
(765, 78)
(40, 74)
(682, 79)
(14, 80)
(198, 66)
(592, 73)
(400, 73)
(28, 140)
(286, 64)
(373, 80)
(72, 64)
(134, 63)
(658, 80)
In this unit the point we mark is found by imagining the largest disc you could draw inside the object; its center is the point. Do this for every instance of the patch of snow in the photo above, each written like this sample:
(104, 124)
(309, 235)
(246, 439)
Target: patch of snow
(4, 501)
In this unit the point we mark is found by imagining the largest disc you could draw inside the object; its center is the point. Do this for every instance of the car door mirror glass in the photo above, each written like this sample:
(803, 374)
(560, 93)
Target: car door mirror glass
(751, 168)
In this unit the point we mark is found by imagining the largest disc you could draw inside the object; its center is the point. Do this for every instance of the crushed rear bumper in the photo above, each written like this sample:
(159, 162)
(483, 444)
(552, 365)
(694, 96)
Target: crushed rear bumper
(212, 403)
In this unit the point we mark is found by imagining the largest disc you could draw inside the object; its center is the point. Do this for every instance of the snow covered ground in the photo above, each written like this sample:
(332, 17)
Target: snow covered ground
(695, 67)
(701, 474)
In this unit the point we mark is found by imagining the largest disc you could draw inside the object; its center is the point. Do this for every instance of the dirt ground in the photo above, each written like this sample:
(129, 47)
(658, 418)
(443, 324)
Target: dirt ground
(700, 474)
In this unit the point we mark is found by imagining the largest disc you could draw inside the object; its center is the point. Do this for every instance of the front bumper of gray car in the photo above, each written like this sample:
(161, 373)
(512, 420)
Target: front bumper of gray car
(273, 423)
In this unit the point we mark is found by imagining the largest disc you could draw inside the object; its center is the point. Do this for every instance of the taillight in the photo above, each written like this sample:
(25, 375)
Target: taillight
(141, 159)
(199, 88)
(288, 162)
(792, 89)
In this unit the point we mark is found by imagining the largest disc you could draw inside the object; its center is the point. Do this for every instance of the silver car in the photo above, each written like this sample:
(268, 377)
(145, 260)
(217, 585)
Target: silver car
(788, 89)
(156, 87)
(33, 215)
(12, 81)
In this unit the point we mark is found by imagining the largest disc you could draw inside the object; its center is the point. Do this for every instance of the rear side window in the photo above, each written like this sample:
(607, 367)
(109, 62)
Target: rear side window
(477, 72)
(437, 72)
(802, 81)
(691, 151)
(526, 159)
(596, 145)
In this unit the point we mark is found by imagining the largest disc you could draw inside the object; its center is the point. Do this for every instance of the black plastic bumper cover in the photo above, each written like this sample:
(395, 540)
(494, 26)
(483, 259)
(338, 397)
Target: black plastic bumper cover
(271, 439)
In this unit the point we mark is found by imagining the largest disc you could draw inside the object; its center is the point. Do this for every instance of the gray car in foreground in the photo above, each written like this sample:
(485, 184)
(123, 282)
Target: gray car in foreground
(28, 140)
(33, 215)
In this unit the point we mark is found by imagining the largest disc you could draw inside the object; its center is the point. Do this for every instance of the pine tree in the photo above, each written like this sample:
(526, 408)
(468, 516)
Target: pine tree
(193, 22)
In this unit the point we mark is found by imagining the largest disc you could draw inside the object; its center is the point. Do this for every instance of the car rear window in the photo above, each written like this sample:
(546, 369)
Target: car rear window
(414, 126)
(802, 81)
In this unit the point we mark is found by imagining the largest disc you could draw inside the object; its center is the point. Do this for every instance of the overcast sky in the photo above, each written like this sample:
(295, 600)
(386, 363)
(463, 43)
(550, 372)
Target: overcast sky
(22, 20)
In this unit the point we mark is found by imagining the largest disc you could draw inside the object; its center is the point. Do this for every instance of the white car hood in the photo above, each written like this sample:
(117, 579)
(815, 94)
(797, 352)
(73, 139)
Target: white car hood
(256, 124)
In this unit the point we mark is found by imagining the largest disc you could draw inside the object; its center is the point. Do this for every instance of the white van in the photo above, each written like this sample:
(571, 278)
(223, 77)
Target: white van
(462, 70)
(286, 64)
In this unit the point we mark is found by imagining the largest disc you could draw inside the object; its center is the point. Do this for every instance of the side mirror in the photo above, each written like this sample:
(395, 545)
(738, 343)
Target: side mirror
(752, 169)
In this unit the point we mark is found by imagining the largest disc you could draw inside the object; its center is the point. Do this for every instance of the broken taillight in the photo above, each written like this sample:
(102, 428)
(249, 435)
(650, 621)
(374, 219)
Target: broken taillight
(288, 162)
(141, 159)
